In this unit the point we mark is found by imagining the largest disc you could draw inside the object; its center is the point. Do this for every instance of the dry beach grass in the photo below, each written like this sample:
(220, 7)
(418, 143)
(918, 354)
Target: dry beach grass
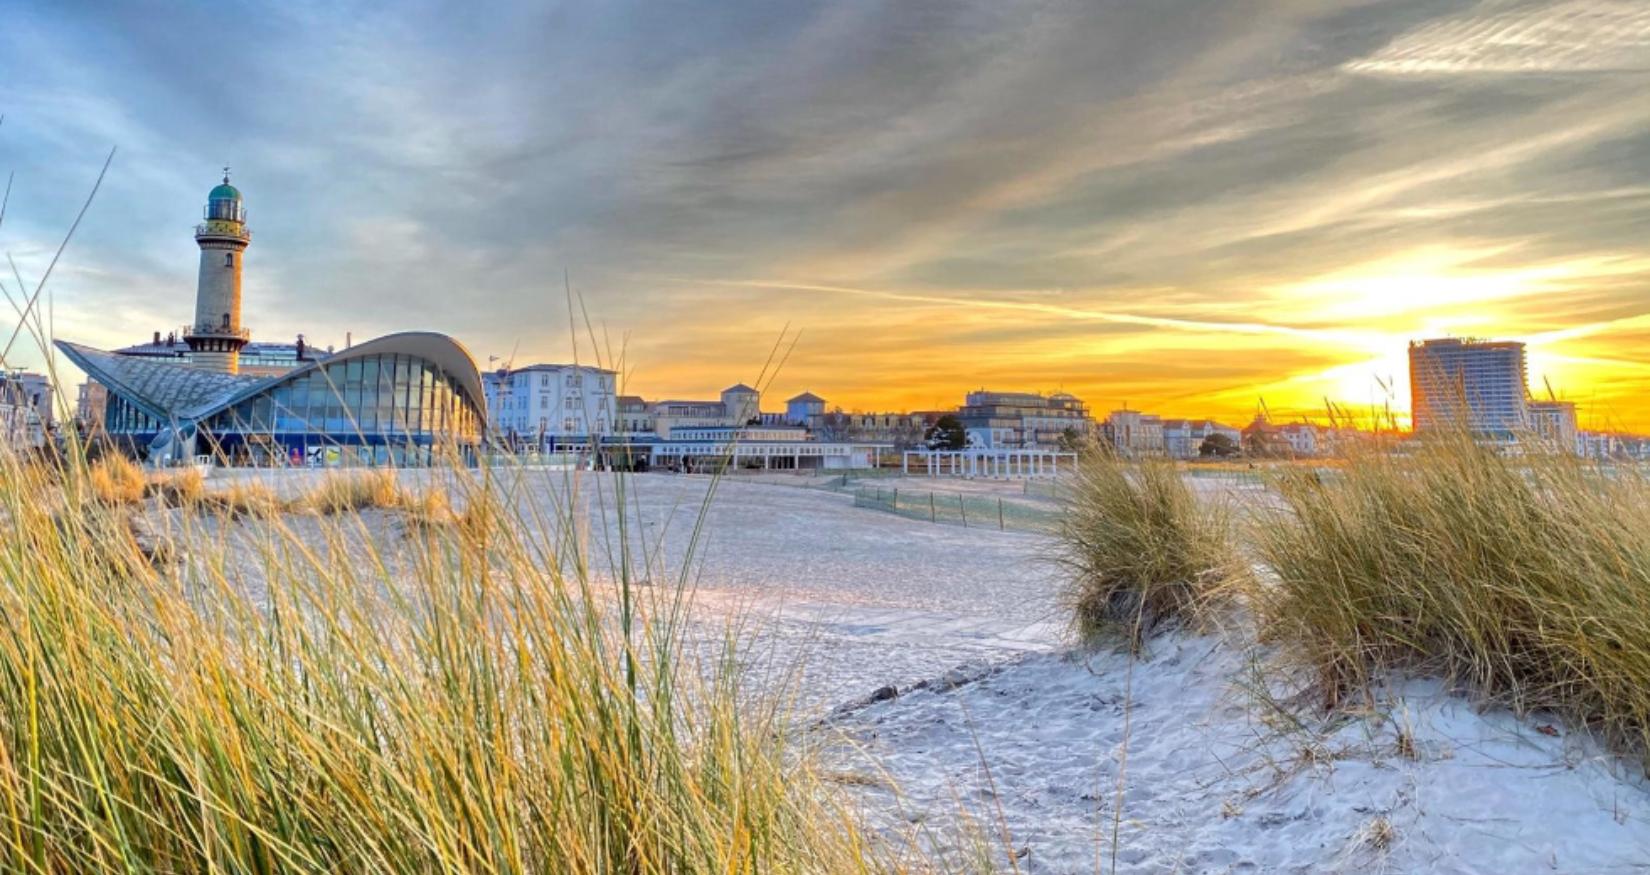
(1140, 548)
(494, 710)
(1524, 578)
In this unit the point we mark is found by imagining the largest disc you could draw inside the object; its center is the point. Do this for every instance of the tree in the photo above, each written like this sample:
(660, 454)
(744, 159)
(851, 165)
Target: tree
(1071, 441)
(1218, 446)
(947, 433)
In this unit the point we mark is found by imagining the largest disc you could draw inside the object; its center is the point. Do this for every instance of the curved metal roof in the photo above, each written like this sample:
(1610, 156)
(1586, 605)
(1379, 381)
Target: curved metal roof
(171, 390)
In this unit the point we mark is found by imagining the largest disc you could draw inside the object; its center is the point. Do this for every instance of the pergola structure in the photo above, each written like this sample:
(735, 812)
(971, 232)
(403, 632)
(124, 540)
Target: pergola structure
(990, 463)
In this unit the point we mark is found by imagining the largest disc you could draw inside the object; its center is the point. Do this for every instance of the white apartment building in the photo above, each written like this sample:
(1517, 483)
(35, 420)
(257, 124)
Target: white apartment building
(1022, 420)
(742, 404)
(667, 416)
(1555, 423)
(635, 416)
(1133, 433)
(737, 406)
(25, 409)
(1302, 438)
(549, 404)
(1183, 438)
(91, 400)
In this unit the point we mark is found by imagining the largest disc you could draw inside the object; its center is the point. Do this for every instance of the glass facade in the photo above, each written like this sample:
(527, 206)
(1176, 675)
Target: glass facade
(387, 409)
(123, 418)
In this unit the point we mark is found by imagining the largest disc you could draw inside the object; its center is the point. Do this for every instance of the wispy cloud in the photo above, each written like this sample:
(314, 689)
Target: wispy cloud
(1579, 36)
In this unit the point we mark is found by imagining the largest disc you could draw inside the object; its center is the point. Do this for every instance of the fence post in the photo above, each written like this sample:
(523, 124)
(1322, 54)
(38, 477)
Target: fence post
(896, 499)
(932, 516)
(999, 513)
(962, 510)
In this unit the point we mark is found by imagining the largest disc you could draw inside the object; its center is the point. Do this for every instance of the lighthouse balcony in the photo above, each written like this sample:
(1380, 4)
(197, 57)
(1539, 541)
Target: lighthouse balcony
(218, 229)
(217, 331)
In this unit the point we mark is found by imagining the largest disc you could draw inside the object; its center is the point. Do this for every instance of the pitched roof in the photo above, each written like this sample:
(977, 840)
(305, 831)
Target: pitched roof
(807, 397)
(737, 387)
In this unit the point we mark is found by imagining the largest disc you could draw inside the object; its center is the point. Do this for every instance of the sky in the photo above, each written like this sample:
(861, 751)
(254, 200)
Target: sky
(1182, 206)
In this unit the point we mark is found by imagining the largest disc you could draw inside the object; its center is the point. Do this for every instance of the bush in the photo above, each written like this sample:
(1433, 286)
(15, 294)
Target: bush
(1140, 549)
(1525, 577)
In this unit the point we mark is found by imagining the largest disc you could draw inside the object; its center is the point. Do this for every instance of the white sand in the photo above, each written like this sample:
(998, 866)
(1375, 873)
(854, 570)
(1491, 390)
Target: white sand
(1216, 780)
(1036, 750)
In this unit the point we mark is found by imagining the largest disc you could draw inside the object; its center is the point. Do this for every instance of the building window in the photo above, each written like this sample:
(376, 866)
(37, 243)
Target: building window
(229, 259)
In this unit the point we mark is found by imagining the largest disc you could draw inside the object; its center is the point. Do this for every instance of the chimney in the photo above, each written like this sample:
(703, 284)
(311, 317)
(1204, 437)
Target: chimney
(157, 338)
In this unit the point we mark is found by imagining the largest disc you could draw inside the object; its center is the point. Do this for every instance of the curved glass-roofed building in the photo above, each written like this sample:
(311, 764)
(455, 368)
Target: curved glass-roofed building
(401, 399)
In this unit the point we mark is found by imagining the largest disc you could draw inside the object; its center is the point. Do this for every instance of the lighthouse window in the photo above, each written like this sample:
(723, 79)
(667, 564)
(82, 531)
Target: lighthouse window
(229, 259)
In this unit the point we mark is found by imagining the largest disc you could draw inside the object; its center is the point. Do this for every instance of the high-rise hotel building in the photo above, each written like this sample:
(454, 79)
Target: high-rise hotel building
(1476, 384)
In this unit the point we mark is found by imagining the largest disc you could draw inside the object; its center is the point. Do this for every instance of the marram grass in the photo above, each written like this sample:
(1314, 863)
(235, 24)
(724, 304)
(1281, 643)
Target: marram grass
(1139, 549)
(470, 701)
(1525, 578)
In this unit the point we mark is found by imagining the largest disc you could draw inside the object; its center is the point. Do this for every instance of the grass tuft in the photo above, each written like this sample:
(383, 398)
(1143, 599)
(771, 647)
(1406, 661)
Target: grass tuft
(354, 491)
(181, 488)
(116, 480)
(243, 500)
(1139, 549)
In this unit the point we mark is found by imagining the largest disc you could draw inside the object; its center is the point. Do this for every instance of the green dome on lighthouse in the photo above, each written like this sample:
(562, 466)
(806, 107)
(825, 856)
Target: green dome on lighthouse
(224, 191)
(223, 204)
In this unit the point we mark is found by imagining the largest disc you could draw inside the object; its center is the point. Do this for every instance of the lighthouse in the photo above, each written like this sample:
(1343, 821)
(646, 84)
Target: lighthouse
(215, 337)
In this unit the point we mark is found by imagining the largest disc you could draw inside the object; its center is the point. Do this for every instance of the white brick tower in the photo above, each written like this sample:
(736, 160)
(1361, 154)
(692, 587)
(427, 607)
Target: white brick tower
(216, 336)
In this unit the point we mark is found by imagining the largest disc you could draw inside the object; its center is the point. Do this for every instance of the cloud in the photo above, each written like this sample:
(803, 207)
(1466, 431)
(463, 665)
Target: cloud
(1178, 202)
(1580, 36)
